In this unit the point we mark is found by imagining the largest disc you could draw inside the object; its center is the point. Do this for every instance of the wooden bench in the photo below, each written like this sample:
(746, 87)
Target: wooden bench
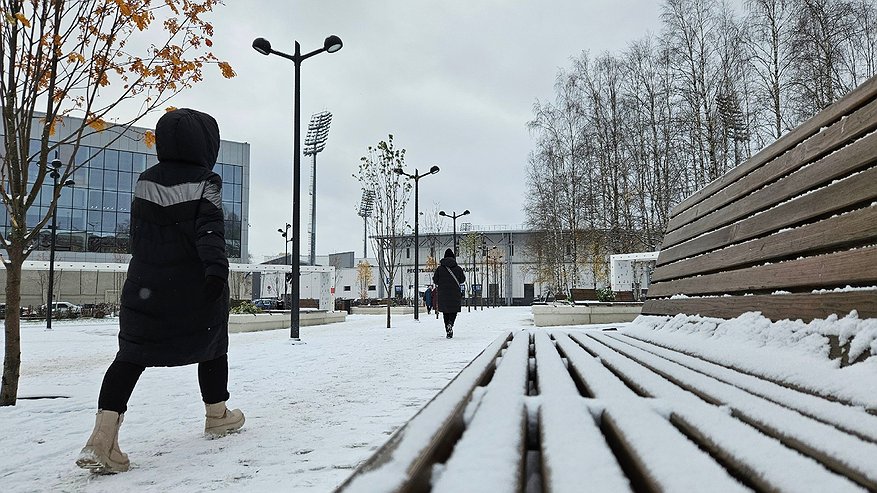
(582, 294)
(785, 232)
(564, 410)
(601, 411)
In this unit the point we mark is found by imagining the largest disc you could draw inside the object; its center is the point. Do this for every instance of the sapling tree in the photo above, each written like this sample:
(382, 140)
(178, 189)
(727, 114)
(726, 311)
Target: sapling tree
(391, 192)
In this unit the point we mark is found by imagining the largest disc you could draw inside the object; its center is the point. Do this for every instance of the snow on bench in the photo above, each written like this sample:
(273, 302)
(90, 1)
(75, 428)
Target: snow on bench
(570, 410)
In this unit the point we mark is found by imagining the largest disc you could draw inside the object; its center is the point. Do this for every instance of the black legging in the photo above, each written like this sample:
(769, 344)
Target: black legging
(449, 317)
(122, 376)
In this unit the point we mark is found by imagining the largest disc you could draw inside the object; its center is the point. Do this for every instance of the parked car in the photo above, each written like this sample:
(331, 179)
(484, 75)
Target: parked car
(64, 309)
(267, 303)
(23, 311)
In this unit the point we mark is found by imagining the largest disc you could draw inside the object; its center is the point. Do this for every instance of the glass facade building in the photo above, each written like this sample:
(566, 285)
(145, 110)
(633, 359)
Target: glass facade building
(94, 215)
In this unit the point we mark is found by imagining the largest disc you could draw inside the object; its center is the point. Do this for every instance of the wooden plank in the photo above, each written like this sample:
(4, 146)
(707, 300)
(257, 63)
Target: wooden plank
(849, 418)
(404, 463)
(501, 421)
(571, 444)
(843, 453)
(657, 453)
(853, 267)
(855, 157)
(838, 135)
(775, 307)
(844, 106)
(853, 229)
(839, 196)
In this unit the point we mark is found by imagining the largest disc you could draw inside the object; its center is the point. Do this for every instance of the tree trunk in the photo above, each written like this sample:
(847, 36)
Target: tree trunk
(389, 300)
(12, 360)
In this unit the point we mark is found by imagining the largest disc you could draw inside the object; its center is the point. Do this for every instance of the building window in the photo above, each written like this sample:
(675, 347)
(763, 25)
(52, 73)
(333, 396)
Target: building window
(407, 253)
(372, 287)
(346, 288)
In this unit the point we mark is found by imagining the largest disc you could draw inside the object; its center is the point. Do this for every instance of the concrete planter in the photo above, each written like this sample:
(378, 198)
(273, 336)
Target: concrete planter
(280, 320)
(592, 312)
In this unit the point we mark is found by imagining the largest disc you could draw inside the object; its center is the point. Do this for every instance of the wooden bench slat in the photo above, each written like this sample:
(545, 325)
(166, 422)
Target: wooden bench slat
(839, 451)
(839, 196)
(851, 419)
(501, 421)
(404, 462)
(660, 453)
(850, 267)
(853, 229)
(761, 364)
(572, 445)
(838, 135)
(737, 444)
(855, 157)
(807, 306)
(844, 106)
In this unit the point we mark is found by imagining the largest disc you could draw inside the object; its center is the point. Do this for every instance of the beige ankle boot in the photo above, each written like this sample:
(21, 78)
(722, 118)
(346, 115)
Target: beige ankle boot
(101, 454)
(221, 420)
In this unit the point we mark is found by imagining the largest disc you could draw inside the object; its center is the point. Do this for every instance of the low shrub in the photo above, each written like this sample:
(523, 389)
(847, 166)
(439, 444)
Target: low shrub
(605, 294)
(246, 307)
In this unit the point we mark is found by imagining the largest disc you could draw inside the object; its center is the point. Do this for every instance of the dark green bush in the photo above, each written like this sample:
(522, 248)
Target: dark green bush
(605, 294)
(246, 307)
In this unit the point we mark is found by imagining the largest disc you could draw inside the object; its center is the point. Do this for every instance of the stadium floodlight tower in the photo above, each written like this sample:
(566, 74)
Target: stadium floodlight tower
(315, 142)
(366, 207)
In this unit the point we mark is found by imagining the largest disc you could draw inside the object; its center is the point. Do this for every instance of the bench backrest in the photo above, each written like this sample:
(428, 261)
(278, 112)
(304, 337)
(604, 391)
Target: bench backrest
(785, 232)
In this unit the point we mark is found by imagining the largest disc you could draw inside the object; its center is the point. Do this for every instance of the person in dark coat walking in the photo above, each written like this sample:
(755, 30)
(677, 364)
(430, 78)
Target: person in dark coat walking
(448, 277)
(427, 299)
(175, 300)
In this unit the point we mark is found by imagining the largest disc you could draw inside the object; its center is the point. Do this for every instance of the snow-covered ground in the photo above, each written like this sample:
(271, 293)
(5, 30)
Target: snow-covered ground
(314, 410)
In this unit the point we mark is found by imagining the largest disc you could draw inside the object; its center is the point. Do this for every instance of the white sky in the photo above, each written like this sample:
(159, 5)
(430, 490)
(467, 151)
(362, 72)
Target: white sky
(453, 81)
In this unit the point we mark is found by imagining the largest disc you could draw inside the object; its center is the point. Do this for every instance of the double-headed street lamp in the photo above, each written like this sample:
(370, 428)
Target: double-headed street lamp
(453, 215)
(330, 45)
(416, 177)
(284, 232)
(56, 165)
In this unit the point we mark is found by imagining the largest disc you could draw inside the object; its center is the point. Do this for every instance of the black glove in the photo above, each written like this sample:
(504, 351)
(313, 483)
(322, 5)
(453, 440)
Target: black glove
(213, 288)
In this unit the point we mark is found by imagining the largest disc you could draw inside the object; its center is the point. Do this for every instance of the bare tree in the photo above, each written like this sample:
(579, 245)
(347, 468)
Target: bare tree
(772, 56)
(376, 172)
(820, 77)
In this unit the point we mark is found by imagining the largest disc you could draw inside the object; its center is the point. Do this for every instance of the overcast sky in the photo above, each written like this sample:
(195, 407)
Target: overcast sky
(453, 81)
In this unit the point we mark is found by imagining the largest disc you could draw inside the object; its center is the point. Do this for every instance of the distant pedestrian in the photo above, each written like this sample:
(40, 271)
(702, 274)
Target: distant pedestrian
(427, 299)
(175, 299)
(448, 277)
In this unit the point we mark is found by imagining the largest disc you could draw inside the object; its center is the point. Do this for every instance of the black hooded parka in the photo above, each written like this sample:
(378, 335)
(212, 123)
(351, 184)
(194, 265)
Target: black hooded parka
(450, 298)
(177, 240)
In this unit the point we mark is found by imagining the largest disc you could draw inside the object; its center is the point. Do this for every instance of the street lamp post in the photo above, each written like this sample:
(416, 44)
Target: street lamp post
(453, 215)
(315, 142)
(285, 234)
(56, 165)
(416, 177)
(331, 44)
(497, 259)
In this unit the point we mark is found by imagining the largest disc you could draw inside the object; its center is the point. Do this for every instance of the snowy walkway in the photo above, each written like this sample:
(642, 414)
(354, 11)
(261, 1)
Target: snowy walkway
(314, 411)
